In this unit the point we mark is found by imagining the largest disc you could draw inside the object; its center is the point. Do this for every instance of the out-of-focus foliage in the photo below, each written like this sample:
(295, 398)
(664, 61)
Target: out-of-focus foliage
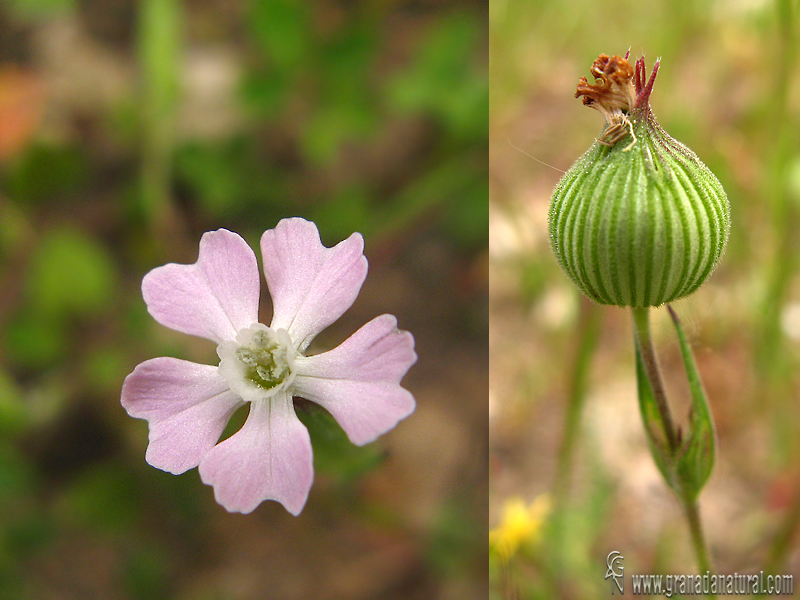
(127, 129)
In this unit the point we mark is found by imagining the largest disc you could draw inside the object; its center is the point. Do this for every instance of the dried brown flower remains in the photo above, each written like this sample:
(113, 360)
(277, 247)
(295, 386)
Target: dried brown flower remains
(613, 95)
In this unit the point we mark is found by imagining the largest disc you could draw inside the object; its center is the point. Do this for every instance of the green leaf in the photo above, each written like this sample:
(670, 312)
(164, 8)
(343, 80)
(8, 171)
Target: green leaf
(104, 367)
(445, 182)
(282, 30)
(71, 275)
(444, 80)
(18, 481)
(697, 448)
(15, 230)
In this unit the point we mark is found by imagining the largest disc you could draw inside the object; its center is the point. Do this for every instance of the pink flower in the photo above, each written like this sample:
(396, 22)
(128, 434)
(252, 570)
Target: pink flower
(187, 405)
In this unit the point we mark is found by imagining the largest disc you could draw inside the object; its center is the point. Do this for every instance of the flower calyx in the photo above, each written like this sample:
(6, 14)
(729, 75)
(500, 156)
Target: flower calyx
(644, 222)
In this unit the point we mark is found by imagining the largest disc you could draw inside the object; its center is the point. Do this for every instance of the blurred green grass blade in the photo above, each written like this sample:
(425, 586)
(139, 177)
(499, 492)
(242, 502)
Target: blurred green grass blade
(695, 458)
(159, 39)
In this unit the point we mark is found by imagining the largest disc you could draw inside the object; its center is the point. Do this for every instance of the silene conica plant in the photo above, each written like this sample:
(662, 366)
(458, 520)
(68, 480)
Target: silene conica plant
(639, 221)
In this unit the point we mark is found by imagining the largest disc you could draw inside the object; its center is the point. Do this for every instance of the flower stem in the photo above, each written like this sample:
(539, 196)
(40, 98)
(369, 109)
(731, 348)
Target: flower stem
(641, 319)
(696, 530)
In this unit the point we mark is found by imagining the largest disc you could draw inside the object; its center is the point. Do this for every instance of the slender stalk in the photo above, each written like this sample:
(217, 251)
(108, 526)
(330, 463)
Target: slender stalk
(641, 319)
(696, 530)
(588, 335)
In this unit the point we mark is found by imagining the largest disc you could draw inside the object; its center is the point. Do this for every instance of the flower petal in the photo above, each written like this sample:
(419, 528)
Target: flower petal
(358, 382)
(311, 285)
(269, 458)
(186, 406)
(212, 298)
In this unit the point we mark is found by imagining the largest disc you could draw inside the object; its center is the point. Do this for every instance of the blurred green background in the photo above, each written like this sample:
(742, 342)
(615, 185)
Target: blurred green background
(127, 129)
(729, 88)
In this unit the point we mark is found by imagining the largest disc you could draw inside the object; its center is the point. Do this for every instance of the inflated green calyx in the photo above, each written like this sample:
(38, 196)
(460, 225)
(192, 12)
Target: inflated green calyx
(638, 220)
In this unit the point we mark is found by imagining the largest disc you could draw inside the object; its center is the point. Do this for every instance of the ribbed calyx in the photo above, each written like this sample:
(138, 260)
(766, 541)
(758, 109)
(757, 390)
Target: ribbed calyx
(638, 220)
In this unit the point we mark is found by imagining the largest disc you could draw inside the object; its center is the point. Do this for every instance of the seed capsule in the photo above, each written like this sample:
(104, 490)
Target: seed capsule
(638, 220)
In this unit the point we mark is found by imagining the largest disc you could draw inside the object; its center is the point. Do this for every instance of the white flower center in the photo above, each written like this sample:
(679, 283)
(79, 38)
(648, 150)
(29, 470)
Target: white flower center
(259, 363)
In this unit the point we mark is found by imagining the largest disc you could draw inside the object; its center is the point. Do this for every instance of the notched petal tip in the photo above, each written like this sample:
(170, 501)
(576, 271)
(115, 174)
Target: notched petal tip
(311, 285)
(358, 382)
(269, 458)
(213, 297)
(403, 406)
(186, 405)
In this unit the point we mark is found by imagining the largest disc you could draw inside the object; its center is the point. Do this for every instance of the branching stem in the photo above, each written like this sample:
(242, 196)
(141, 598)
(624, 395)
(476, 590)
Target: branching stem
(641, 319)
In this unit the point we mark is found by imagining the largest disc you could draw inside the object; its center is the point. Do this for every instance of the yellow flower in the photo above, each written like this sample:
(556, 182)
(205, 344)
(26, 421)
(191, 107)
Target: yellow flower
(519, 524)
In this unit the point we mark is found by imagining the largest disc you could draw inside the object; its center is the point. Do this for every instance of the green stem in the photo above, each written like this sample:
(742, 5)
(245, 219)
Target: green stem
(641, 319)
(698, 539)
(588, 335)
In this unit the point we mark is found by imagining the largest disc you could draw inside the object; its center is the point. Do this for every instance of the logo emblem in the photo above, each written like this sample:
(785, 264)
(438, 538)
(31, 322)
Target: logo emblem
(615, 570)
